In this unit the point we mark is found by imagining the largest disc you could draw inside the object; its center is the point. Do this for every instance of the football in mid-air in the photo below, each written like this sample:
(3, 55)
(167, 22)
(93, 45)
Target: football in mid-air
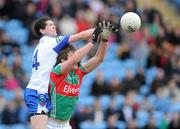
(130, 22)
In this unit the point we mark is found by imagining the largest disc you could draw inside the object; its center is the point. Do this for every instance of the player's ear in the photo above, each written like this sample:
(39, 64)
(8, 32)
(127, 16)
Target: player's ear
(62, 60)
(42, 31)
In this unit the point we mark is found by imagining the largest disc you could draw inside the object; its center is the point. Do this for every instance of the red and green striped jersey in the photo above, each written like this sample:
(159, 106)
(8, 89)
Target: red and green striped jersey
(64, 91)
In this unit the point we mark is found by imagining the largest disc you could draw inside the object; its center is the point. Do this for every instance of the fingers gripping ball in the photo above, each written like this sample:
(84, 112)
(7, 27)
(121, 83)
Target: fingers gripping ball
(130, 22)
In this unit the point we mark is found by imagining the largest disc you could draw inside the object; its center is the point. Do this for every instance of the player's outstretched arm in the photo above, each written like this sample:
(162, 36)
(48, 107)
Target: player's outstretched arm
(97, 59)
(80, 53)
(84, 35)
(108, 28)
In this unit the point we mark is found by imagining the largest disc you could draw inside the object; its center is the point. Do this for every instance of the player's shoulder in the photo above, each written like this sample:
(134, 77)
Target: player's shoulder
(60, 38)
(57, 69)
(57, 38)
(81, 68)
(46, 38)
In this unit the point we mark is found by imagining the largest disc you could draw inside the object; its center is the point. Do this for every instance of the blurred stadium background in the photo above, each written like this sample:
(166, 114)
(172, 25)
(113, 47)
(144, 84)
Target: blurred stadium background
(136, 87)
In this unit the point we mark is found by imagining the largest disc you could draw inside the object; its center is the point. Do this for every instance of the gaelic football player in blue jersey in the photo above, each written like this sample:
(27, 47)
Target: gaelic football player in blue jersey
(44, 58)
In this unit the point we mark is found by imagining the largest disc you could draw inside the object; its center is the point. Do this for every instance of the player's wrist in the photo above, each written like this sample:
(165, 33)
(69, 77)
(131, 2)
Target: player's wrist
(95, 35)
(104, 40)
(94, 43)
(93, 39)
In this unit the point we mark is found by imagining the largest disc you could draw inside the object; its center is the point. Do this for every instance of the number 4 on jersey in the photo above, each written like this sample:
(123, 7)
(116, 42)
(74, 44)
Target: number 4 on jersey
(35, 62)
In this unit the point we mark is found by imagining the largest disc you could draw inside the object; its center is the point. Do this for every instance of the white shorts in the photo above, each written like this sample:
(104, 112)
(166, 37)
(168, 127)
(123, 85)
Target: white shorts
(55, 125)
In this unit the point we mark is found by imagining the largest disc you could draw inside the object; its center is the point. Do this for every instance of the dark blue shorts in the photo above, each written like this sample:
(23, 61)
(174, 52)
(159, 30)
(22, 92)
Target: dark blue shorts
(37, 103)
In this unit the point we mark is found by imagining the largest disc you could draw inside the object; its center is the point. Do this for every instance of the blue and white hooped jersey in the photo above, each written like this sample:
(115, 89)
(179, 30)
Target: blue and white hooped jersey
(44, 58)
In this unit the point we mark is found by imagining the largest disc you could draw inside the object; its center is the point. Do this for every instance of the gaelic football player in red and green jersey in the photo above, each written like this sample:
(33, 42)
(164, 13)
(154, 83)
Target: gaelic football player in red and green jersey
(66, 77)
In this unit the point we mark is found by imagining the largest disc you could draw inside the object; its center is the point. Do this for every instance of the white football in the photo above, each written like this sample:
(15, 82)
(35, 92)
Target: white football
(130, 22)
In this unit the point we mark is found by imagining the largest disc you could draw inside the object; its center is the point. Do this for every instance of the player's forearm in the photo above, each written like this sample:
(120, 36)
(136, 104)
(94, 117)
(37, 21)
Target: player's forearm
(101, 52)
(79, 54)
(86, 34)
(97, 59)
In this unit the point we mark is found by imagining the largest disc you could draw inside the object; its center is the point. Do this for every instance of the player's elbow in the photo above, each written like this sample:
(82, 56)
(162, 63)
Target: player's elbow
(72, 61)
(100, 59)
(75, 62)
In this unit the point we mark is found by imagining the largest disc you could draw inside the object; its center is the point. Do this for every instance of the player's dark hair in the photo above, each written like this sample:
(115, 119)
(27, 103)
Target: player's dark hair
(40, 24)
(63, 55)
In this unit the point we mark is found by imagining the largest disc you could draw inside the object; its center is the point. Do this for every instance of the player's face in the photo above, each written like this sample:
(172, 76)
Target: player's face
(75, 66)
(50, 29)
